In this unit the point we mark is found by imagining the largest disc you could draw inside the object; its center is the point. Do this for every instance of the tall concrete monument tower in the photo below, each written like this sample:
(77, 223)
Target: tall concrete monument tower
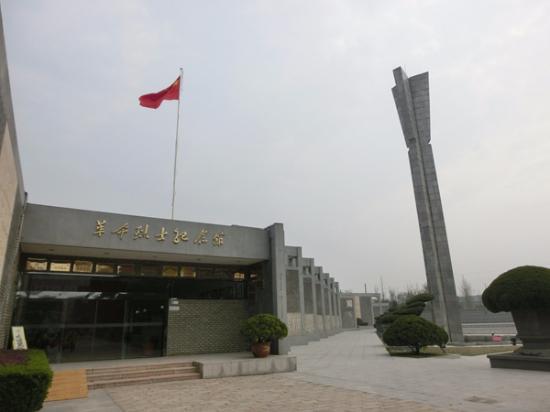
(412, 98)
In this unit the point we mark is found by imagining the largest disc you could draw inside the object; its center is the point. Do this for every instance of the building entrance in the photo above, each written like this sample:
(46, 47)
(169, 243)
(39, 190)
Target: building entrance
(77, 318)
(98, 310)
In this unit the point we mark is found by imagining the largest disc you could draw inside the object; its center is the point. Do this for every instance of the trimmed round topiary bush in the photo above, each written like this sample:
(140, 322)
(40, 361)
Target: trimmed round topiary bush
(421, 297)
(386, 318)
(263, 328)
(414, 332)
(521, 288)
(382, 321)
(25, 377)
(415, 309)
(414, 305)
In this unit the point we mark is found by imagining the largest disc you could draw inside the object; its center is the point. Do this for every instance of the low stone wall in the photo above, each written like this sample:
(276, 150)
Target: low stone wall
(319, 323)
(241, 367)
(294, 323)
(309, 323)
(206, 326)
(330, 323)
(482, 315)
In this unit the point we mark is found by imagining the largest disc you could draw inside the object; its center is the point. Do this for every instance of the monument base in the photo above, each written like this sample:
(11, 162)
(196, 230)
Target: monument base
(514, 360)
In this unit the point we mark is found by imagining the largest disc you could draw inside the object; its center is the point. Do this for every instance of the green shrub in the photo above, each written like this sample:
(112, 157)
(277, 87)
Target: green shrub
(13, 357)
(24, 384)
(382, 321)
(414, 332)
(421, 297)
(415, 309)
(415, 305)
(386, 318)
(264, 328)
(524, 287)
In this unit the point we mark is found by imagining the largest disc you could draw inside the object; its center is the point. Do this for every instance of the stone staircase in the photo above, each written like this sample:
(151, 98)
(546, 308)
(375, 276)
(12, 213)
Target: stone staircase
(139, 374)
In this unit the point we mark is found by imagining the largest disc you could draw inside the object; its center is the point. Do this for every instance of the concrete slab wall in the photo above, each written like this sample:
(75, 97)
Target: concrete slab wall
(12, 198)
(292, 291)
(315, 294)
(309, 324)
(76, 232)
(294, 323)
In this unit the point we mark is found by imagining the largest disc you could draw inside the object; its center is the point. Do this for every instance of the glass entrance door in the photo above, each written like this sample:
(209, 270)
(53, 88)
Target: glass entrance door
(76, 318)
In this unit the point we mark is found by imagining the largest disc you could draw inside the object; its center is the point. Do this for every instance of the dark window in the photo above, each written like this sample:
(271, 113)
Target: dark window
(84, 315)
(80, 311)
(126, 269)
(42, 311)
(104, 268)
(110, 311)
(83, 266)
(108, 343)
(150, 270)
(170, 271)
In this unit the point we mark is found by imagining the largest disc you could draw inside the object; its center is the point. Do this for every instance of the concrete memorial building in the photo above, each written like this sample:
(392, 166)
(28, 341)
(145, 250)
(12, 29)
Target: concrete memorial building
(96, 285)
(89, 285)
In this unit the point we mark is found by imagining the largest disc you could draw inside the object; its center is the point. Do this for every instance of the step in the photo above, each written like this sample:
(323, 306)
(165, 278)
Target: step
(142, 367)
(98, 375)
(144, 379)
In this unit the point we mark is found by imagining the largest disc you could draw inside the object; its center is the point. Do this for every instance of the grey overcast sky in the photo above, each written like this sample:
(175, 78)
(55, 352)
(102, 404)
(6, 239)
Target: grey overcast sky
(288, 116)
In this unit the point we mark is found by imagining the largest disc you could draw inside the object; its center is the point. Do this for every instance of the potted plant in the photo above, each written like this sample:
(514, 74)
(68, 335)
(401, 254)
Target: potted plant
(261, 329)
(524, 291)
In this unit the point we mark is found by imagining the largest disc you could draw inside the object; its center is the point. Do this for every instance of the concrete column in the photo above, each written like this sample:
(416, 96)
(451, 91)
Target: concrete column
(319, 297)
(338, 305)
(314, 282)
(301, 290)
(335, 306)
(329, 293)
(412, 100)
(277, 268)
(324, 305)
(329, 300)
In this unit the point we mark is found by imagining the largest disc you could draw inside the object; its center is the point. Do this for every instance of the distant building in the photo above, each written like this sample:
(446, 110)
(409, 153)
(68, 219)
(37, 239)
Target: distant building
(361, 308)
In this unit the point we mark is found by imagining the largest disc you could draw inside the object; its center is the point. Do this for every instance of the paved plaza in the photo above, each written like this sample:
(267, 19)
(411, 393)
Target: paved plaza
(350, 371)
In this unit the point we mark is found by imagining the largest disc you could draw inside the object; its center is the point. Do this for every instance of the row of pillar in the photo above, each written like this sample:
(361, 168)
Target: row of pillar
(312, 298)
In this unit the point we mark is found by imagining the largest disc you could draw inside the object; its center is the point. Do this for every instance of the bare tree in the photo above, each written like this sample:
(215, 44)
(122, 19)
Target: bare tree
(382, 294)
(466, 289)
(394, 297)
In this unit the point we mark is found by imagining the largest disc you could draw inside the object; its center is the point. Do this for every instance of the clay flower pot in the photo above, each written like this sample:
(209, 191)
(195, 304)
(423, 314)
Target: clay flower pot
(261, 349)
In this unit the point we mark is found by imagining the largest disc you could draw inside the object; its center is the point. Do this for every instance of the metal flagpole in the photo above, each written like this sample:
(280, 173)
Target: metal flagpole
(176, 149)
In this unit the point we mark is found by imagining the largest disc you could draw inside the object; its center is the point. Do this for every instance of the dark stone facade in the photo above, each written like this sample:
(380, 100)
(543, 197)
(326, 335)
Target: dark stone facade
(206, 326)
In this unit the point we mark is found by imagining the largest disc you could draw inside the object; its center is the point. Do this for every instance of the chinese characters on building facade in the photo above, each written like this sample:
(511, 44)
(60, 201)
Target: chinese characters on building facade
(176, 236)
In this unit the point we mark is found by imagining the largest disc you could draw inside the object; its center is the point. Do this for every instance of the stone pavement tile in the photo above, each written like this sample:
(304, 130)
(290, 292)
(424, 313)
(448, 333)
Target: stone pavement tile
(97, 401)
(255, 393)
(351, 372)
(357, 360)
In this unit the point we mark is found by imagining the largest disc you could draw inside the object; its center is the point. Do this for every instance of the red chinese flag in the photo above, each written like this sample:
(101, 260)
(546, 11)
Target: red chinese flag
(153, 100)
